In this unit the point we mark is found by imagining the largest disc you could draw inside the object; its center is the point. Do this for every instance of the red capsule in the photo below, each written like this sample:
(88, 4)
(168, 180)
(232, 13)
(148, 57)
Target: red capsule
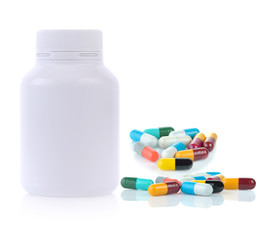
(210, 142)
(197, 141)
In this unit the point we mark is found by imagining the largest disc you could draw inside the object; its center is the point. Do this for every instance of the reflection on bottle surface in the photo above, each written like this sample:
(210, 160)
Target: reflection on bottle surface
(164, 201)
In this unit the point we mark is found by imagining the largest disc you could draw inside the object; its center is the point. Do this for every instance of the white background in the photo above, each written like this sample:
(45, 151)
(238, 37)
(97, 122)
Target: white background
(185, 64)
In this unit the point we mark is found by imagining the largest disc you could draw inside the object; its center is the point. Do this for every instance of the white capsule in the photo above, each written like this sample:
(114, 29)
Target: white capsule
(165, 142)
(177, 133)
(148, 140)
(203, 189)
(169, 152)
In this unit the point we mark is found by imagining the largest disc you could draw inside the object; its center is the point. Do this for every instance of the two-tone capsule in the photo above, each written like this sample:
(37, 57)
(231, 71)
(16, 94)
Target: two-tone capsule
(197, 141)
(175, 163)
(170, 151)
(194, 188)
(145, 138)
(136, 183)
(159, 189)
(239, 183)
(146, 152)
(193, 154)
(161, 179)
(159, 132)
(210, 141)
(165, 142)
(216, 185)
(192, 178)
(190, 132)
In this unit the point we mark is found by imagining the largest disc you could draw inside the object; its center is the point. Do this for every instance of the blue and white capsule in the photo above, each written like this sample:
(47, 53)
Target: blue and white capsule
(192, 178)
(145, 138)
(190, 132)
(193, 188)
(170, 151)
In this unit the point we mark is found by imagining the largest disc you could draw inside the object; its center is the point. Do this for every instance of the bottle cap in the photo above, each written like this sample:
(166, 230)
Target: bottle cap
(62, 44)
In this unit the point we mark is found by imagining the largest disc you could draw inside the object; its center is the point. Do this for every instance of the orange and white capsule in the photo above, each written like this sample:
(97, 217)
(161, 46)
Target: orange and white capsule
(146, 152)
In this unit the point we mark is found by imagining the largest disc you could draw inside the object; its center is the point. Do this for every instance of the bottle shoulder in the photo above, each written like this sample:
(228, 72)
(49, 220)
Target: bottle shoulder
(69, 74)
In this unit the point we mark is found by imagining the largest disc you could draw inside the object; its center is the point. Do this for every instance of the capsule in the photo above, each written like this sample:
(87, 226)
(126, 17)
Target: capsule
(194, 188)
(165, 142)
(145, 138)
(219, 177)
(161, 179)
(197, 141)
(159, 189)
(194, 154)
(136, 183)
(190, 132)
(175, 163)
(191, 178)
(170, 151)
(216, 185)
(210, 141)
(159, 132)
(146, 151)
(239, 183)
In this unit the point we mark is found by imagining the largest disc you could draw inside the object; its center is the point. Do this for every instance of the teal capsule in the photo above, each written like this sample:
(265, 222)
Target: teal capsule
(159, 132)
(136, 183)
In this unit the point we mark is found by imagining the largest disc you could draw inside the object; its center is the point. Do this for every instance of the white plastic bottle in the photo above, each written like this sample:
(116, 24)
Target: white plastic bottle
(69, 117)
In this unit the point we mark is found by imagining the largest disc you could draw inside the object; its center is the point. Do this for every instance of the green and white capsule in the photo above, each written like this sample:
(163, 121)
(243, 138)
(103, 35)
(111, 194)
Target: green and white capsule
(159, 132)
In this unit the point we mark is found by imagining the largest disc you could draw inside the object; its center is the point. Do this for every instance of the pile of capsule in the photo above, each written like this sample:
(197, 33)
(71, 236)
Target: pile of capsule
(181, 147)
(203, 184)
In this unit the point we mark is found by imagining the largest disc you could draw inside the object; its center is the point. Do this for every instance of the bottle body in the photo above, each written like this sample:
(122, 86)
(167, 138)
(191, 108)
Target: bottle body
(69, 129)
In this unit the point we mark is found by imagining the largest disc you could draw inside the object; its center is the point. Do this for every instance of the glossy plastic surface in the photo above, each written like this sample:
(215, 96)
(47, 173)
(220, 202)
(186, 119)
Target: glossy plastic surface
(193, 154)
(135, 135)
(136, 183)
(239, 183)
(194, 188)
(165, 142)
(159, 189)
(210, 141)
(197, 141)
(171, 151)
(216, 185)
(190, 132)
(159, 132)
(175, 163)
(150, 154)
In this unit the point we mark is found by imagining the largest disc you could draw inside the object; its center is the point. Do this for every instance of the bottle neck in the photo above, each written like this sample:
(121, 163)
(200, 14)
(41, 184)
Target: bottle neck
(70, 56)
